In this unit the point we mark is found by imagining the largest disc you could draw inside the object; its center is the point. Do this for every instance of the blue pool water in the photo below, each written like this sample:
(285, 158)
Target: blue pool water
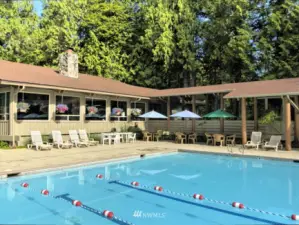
(267, 185)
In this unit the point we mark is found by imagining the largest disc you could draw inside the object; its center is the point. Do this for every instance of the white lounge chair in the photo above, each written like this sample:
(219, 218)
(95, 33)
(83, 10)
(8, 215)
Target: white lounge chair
(37, 141)
(84, 138)
(132, 137)
(255, 140)
(58, 141)
(75, 139)
(275, 142)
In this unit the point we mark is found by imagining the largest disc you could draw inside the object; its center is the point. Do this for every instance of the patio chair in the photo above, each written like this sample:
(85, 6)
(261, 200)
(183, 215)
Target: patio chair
(116, 139)
(147, 136)
(106, 138)
(132, 137)
(193, 138)
(255, 140)
(180, 138)
(209, 138)
(218, 138)
(58, 141)
(157, 136)
(275, 142)
(37, 141)
(84, 138)
(75, 139)
(231, 140)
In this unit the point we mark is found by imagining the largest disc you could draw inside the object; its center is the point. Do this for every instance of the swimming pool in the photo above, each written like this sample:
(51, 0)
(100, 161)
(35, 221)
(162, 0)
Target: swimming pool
(261, 185)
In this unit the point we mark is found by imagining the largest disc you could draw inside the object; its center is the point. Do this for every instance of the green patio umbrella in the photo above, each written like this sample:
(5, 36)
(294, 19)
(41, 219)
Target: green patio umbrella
(220, 114)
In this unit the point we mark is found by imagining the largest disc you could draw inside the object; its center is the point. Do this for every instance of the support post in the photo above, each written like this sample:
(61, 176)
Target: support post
(168, 113)
(287, 115)
(108, 109)
(221, 119)
(255, 115)
(296, 120)
(193, 110)
(12, 106)
(244, 129)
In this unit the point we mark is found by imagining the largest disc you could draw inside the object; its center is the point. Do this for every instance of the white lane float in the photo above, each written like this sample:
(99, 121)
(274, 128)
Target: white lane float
(108, 214)
(25, 185)
(135, 183)
(44, 192)
(238, 205)
(77, 203)
(295, 217)
(198, 196)
(99, 176)
(158, 188)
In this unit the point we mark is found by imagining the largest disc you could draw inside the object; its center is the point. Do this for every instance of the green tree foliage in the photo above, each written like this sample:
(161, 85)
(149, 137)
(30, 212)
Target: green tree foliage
(158, 43)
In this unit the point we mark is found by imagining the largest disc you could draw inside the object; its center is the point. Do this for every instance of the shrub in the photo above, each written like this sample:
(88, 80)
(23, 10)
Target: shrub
(4, 145)
(268, 118)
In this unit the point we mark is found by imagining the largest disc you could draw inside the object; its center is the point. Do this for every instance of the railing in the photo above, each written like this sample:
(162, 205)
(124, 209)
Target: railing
(4, 127)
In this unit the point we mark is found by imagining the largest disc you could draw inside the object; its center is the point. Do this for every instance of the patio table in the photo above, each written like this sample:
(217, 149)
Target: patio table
(112, 134)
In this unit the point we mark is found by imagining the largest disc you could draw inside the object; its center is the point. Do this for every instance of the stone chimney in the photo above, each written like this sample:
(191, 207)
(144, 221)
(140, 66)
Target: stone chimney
(68, 64)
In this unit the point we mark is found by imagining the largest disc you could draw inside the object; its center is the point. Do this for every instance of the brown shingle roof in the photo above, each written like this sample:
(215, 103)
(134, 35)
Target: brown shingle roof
(36, 75)
(280, 87)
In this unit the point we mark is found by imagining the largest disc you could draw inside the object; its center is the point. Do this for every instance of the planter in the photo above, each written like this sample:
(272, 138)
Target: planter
(23, 107)
(92, 110)
(62, 108)
(136, 112)
(117, 112)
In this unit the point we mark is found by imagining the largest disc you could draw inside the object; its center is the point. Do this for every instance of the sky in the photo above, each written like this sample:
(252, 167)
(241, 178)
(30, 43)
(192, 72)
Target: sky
(38, 5)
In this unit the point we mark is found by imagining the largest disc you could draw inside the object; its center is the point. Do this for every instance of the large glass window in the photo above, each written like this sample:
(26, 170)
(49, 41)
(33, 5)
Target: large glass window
(118, 111)
(4, 106)
(67, 108)
(33, 106)
(95, 109)
(137, 109)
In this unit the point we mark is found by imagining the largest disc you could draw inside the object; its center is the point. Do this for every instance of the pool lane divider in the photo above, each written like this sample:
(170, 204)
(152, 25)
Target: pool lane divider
(159, 191)
(77, 203)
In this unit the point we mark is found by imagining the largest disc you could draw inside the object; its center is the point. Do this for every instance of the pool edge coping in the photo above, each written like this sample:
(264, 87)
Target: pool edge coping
(83, 164)
(237, 155)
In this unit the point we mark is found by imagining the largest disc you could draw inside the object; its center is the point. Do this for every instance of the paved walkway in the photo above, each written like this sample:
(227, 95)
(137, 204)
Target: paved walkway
(23, 160)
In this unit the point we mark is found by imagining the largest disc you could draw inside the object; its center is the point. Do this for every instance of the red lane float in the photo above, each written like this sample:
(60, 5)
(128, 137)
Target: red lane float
(158, 188)
(45, 192)
(108, 214)
(238, 205)
(25, 185)
(135, 183)
(99, 176)
(295, 217)
(76, 203)
(198, 196)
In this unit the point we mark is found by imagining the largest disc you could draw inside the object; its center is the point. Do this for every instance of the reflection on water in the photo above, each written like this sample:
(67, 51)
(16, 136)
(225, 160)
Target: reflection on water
(81, 177)
(50, 183)
(10, 192)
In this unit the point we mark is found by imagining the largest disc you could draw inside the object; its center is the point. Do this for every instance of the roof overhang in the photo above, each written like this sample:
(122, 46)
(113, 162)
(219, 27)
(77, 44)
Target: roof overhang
(69, 89)
(277, 95)
(191, 93)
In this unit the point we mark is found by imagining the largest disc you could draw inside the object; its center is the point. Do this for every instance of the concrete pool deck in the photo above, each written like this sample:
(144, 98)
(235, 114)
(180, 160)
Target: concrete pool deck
(25, 161)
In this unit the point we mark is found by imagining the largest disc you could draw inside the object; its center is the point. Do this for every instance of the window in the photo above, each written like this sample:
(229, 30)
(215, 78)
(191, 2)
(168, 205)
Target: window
(95, 109)
(4, 106)
(33, 106)
(137, 109)
(118, 111)
(67, 108)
